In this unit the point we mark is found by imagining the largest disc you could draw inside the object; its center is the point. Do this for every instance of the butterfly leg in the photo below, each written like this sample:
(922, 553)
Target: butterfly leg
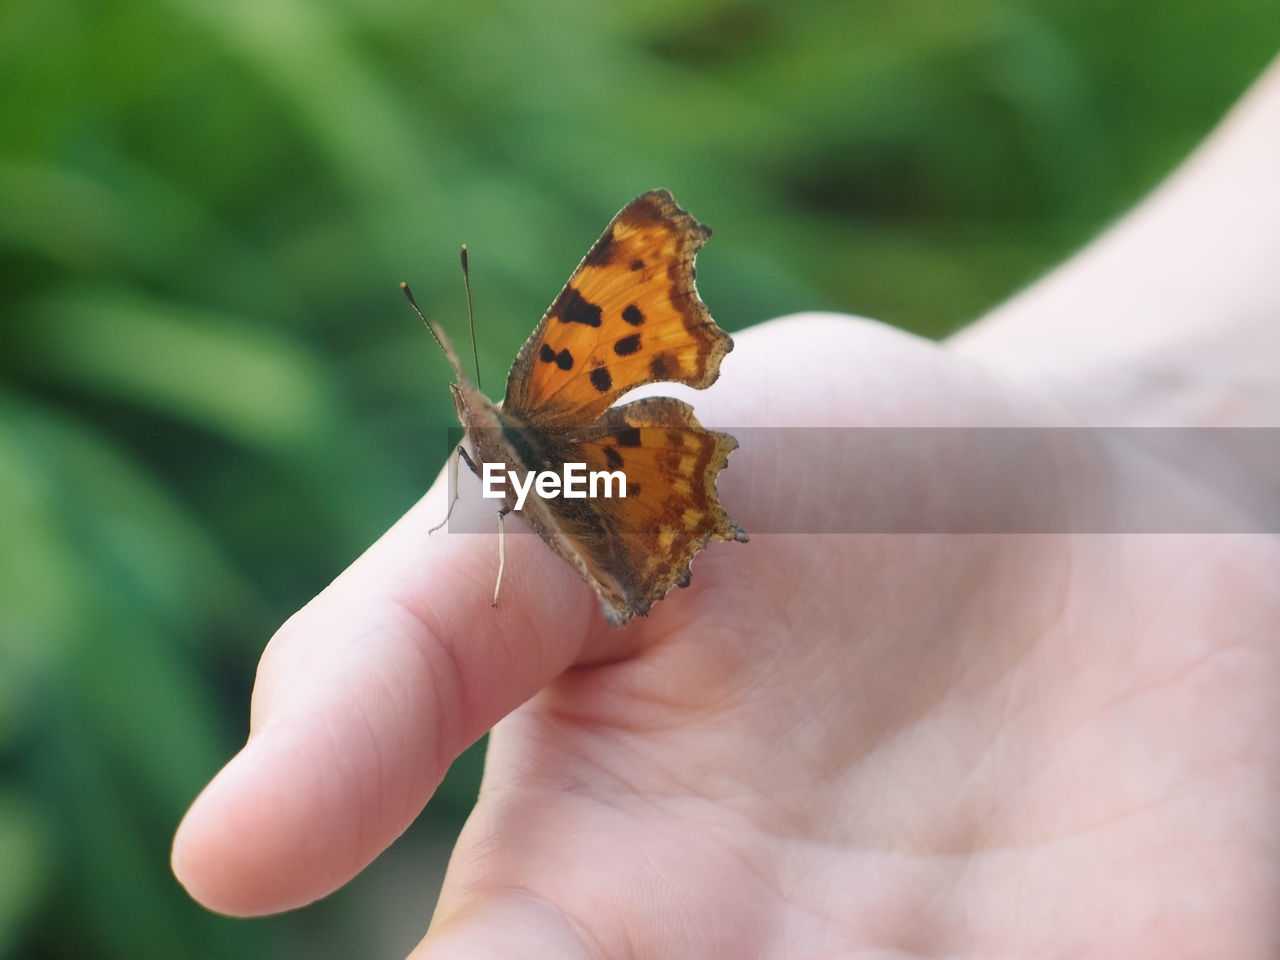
(471, 464)
(502, 553)
(453, 473)
(453, 482)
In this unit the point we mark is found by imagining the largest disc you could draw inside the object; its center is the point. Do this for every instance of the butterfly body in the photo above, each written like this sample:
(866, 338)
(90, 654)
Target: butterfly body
(629, 315)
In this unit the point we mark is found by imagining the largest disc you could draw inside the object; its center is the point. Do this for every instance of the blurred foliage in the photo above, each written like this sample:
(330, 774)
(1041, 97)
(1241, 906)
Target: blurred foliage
(212, 396)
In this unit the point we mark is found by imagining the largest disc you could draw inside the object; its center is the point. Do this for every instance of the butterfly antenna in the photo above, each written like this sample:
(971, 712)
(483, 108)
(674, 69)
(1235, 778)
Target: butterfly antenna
(408, 295)
(466, 281)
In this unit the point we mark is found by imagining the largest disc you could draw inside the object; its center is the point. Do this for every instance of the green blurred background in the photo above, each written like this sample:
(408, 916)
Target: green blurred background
(212, 395)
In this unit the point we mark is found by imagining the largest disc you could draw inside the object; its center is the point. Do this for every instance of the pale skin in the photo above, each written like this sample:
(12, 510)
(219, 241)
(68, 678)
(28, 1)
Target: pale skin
(836, 746)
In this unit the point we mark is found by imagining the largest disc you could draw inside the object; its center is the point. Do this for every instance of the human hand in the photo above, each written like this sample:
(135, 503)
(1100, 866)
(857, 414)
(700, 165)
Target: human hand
(828, 744)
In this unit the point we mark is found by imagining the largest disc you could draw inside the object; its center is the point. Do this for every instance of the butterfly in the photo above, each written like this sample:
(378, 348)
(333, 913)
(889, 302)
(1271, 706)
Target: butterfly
(629, 315)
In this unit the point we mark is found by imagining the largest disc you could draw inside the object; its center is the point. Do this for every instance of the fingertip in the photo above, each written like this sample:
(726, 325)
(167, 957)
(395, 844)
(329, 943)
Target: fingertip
(266, 834)
(208, 854)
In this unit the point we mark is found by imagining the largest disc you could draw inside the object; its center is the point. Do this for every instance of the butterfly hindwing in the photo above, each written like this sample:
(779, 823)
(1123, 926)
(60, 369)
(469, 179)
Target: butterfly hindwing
(636, 548)
(630, 314)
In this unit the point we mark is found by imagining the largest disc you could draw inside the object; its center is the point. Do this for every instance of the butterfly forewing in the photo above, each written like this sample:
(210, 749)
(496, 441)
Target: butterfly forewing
(629, 315)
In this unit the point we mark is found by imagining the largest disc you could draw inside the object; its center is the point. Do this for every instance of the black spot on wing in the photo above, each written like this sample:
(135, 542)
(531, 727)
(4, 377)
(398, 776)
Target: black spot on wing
(601, 379)
(571, 308)
(637, 264)
(633, 315)
(563, 359)
(627, 345)
(629, 437)
(613, 458)
(658, 367)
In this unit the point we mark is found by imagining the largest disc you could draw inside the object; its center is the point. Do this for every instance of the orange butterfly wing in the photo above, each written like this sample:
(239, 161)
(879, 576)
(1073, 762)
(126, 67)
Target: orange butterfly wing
(630, 314)
(634, 549)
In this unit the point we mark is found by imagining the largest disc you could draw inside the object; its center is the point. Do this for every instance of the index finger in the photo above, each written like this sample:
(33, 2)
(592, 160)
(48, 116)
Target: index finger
(362, 700)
